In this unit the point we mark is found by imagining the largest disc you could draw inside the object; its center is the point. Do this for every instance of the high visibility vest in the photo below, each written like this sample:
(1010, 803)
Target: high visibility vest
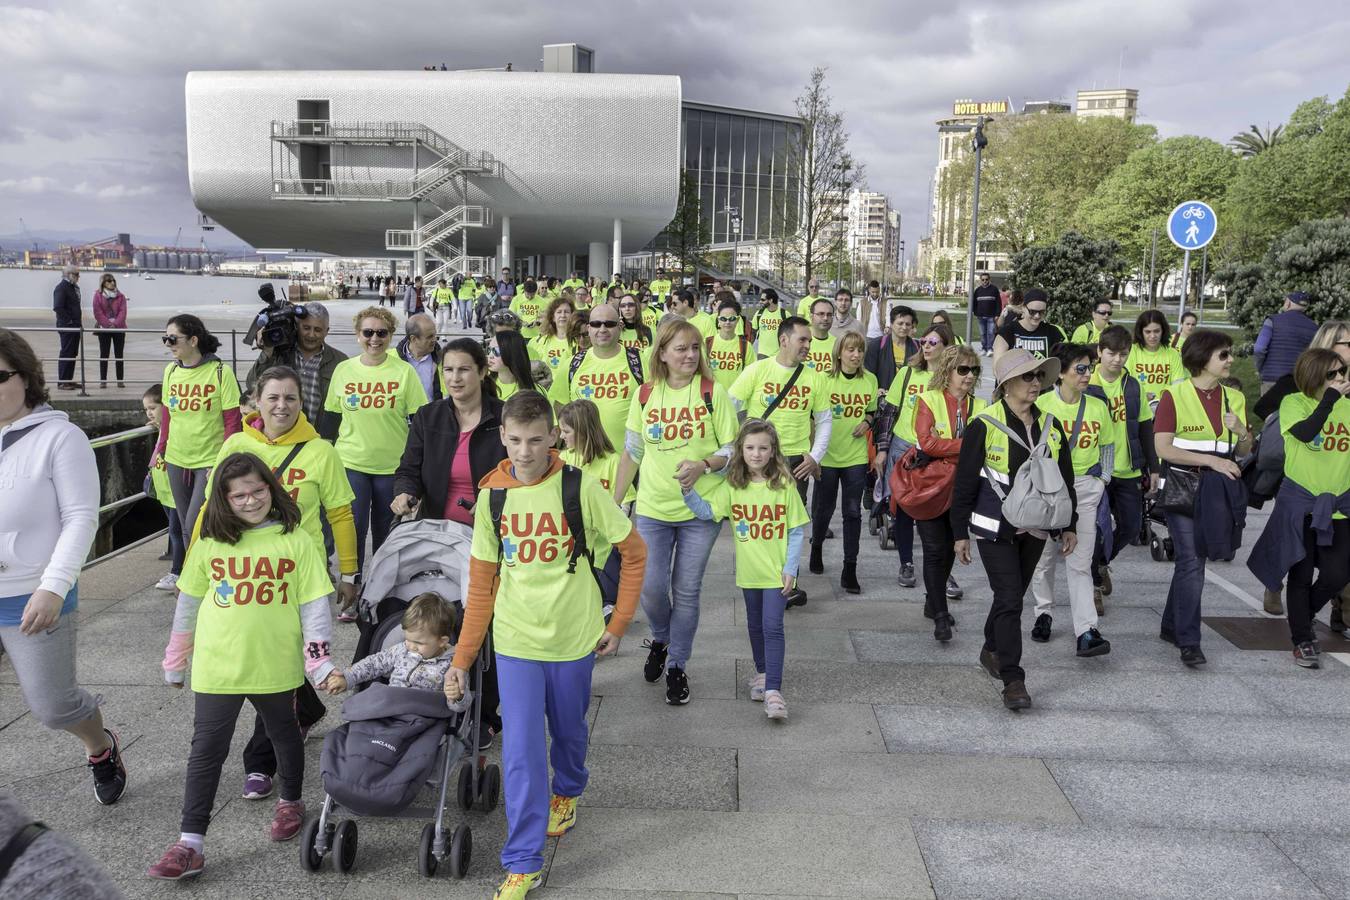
(943, 428)
(1194, 431)
(988, 513)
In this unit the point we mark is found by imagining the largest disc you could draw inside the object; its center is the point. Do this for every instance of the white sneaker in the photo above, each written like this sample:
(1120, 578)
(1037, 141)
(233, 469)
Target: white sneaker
(756, 686)
(167, 583)
(775, 707)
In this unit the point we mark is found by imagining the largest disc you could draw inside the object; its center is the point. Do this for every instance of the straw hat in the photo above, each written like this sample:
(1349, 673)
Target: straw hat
(1017, 361)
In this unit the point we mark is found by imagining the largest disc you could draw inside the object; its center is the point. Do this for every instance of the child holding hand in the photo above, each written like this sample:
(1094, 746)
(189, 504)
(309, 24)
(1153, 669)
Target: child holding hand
(768, 522)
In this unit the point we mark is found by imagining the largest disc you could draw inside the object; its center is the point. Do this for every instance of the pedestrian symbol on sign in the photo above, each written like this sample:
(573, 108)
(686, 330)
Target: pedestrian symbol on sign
(1192, 225)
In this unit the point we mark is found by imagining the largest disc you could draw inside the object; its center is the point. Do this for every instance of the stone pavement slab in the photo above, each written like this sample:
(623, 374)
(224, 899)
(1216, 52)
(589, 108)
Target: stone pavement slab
(646, 777)
(960, 684)
(1048, 862)
(1322, 858)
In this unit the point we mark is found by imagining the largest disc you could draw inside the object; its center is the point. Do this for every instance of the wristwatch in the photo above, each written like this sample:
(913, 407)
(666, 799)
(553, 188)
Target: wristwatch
(350, 579)
(707, 469)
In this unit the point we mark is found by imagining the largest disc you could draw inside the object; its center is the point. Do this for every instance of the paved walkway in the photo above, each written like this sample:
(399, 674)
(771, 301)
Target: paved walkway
(898, 775)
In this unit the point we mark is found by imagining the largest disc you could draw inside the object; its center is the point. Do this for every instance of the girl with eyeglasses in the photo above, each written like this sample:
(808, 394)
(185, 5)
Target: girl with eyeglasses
(1087, 421)
(894, 435)
(941, 415)
(373, 395)
(1029, 329)
(1201, 426)
(1151, 360)
(509, 363)
(1304, 534)
(110, 313)
(201, 409)
(729, 349)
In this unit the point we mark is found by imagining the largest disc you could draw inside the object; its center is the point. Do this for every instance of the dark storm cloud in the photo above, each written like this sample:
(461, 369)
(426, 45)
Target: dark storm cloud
(91, 110)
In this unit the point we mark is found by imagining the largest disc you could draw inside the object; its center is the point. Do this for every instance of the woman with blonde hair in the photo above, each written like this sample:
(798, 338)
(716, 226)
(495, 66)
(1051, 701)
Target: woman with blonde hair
(552, 344)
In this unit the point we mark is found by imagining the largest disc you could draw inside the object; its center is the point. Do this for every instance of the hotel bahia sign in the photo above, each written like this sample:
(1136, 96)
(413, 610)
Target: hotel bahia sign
(979, 107)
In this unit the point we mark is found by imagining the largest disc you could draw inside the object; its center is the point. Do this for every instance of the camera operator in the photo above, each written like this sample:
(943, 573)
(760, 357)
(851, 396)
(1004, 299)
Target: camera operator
(309, 355)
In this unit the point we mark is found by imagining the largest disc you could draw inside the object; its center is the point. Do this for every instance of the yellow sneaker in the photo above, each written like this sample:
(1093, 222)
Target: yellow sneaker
(562, 815)
(518, 885)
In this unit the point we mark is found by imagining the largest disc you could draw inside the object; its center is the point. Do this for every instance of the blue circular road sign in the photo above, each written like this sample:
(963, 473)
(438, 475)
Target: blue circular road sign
(1192, 224)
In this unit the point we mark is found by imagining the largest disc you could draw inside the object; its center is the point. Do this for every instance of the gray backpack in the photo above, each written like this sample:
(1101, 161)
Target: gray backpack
(1039, 499)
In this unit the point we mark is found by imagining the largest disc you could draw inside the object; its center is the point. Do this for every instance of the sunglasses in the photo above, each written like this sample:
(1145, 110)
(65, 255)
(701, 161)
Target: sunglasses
(1035, 313)
(1225, 355)
(374, 332)
(6, 376)
(603, 323)
(931, 342)
(1083, 368)
(1030, 377)
(727, 319)
(968, 370)
(495, 351)
(169, 339)
(1103, 312)
(1331, 376)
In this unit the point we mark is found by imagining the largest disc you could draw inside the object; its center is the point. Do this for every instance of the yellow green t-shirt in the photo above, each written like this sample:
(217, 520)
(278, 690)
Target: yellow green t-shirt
(603, 469)
(820, 356)
(529, 309)
(762, 381)
(706, 324)
(850, 401)
(315, 479)
(767, 322)
(634, 339)
(1087, 333)
(542, 612)
(1321, 466)
(608, 383)
(804, 305)
(1095, 433)
(651, 318)
(159, 481)
(761, 518)
(248, 638)
(507, 389)
(1115, 402)
(675, 425)
(1155, 369)
(196, 399)
(728, 358)
(903, 395)
(375, 403)
(555, 351)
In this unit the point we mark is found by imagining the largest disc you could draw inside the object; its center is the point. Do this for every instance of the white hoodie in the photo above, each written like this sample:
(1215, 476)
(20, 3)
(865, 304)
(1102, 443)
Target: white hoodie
(49, 499)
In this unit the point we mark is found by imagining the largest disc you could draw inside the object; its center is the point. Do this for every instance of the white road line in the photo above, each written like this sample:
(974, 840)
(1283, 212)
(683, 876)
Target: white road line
(1238, 593)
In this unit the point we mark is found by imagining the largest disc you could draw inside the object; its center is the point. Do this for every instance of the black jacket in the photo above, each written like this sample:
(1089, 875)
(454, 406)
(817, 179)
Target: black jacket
(66, 304)
(433, 435)
(879, 359)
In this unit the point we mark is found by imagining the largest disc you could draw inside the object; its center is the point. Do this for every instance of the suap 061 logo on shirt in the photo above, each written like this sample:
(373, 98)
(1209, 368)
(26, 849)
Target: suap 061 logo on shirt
(241, 580)
(604, 385)
(759, 521)
(190, 397)
(534, 537)
(370, 394)
(1333, 438)
(675, 423)
(849, 406)
(797, 398)
(1087, 432)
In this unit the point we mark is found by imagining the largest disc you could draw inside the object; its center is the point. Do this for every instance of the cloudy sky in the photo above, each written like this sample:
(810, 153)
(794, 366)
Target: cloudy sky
(91, 93)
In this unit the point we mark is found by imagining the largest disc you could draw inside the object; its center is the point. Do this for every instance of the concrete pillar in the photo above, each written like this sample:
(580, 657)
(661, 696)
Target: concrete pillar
(598, 261)
(618, 247)
(419, 257)
(506, 243)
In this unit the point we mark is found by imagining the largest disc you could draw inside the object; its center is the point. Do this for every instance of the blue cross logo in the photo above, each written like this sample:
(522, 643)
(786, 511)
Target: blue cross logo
(655, 432)
(223, 592)
(1317, 442)
(553, 361)
(173, 403)
(353, 401)
(769, 400)
(587, 391)
(838, 410)
(509, 551)
(810, 363)
(742, 530)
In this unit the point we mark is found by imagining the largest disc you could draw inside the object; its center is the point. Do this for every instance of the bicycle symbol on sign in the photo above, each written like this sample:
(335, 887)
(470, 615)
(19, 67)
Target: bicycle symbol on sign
(1193, 212)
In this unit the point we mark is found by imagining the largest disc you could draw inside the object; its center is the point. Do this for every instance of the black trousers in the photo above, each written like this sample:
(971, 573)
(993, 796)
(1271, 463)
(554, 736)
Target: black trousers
(212, 729)
(259, 755)
(802, 483)
(115, 341)
(939, 555)
(1304, 597)
(853, 480)
(70, 352)
(1009, 566)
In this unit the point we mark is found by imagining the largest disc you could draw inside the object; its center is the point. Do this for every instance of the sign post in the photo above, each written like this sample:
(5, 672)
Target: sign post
(1191, 226)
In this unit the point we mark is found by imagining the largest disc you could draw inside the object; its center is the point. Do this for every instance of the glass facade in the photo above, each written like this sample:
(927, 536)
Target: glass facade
(741, 161)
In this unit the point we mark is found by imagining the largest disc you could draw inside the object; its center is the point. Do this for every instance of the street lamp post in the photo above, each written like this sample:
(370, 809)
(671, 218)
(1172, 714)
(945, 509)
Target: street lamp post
(977, 143)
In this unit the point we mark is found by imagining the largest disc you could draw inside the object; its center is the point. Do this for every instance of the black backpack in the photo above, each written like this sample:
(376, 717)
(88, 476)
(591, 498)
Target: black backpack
(606, 577)
(633, 358)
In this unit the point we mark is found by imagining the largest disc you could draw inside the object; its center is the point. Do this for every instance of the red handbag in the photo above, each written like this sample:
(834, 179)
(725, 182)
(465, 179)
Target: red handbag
(922, 489)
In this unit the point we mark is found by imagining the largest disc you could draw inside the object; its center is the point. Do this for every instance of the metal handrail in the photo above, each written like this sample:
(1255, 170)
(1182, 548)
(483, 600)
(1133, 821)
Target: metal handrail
(109, 440)
(118, 437)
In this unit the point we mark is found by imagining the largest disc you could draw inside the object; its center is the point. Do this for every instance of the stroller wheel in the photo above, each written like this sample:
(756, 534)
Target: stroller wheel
(1171, 550)
(1157, 550)
(489, 788)
(344, 846)
(884, 532)
(310, 858)
(426, 856)
(873, 525)
(464, 790)
(461, 851)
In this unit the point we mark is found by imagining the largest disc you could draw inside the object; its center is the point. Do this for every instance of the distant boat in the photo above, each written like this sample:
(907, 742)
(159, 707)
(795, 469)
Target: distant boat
(147, 276)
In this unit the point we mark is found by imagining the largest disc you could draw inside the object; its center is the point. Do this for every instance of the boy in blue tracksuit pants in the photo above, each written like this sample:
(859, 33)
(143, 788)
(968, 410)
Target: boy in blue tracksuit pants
(547, 627)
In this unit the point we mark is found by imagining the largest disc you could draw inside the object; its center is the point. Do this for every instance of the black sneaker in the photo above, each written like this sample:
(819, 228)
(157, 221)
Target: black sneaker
(656, 661)
(942, 628)
(1091, 643)
(1040, 631)
(796, 597)
(1192, 656)
(906, 576)
(110, 775)
(817, 564)
(677, 687)
(1305, 655)
(954, 591)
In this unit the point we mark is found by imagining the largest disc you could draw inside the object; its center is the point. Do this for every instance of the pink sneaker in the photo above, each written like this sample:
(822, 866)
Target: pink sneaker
(178, 862)
(286, 821)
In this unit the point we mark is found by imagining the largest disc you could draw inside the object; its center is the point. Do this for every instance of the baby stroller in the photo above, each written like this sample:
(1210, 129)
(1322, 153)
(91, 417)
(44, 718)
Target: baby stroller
(395, 741)
(1159, 544)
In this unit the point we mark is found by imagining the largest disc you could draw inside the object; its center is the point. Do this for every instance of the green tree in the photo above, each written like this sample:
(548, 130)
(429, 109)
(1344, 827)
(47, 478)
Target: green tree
(1309, 119)
(1076, 272)
(1313, 257)
(1254, 141)
(1037, 170)
(688, 235)
(1138, 196)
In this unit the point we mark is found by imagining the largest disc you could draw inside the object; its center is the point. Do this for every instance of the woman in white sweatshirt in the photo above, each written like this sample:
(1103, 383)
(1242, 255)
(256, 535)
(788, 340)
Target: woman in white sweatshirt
(49, 499)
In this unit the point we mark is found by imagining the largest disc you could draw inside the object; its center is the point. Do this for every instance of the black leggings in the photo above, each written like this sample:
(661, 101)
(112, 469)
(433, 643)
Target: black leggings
(938, 557)
(114, 341)
(1009, 566)
(1304, 596)
(212, 730)
(259, 756)
(852, 479)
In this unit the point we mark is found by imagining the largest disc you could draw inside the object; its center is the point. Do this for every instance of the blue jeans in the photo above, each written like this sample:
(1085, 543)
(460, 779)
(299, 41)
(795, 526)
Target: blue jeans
(535, 693)
(464, 308)
(987, 333)
(902, 526)
(764, 609)
(177, 547)
(854, 480)
(1181, 615)
(371, 510)
(677, 554)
